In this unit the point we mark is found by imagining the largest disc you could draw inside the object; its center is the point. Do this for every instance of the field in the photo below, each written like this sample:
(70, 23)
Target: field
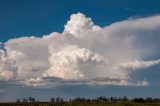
(80, 104)
(79, 101)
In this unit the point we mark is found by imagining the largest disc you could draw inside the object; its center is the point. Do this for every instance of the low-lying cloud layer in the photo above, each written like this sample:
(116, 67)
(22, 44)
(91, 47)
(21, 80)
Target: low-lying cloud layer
(83, 53)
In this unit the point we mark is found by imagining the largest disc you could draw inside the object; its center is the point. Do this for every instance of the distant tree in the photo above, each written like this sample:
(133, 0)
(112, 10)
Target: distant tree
(111, 99)
(95, 100)
(61, 100)
(70, 100)
(24, 100)
(18, 100)
(156, 100)
(31, 99)
(149, 99)
(138, 100)
(58, 99)
(88, 100)
(124, 99)
(102, 99)
(79, 99)
(52, 100)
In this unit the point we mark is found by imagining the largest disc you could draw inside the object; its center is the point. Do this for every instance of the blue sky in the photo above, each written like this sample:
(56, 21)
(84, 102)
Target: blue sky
(129, 61)
(28, 17)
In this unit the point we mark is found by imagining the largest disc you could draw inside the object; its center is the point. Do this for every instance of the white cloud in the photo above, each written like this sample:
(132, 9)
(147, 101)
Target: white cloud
(72, 58)
(83, 54)
(135, 65)
(7, 67)
(79, 24)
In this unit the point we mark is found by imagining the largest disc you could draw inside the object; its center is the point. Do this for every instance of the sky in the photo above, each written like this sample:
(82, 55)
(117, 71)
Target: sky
(68, 48)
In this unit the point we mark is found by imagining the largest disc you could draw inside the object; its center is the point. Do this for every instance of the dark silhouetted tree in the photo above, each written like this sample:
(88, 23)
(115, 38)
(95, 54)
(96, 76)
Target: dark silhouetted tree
(52, 100)
(138, 100)
(18, 100)
(31, 99)
(24, 100)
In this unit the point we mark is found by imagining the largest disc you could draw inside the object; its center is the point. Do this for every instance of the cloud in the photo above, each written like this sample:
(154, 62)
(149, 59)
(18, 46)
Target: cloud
(135, 65)
(7, 67)
(83, 53)
(71, 57)
(128, 9)
(2, 90)
(78, 24)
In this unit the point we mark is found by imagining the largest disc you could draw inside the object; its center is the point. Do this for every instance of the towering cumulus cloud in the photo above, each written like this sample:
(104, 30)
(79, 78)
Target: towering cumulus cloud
(83, 53)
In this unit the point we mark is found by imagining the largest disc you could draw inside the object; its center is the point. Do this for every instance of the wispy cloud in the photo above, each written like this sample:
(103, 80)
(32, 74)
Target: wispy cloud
(135, 65)
(128, 9)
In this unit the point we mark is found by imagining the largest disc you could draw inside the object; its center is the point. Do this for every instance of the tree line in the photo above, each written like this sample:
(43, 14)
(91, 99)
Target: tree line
(96, 100)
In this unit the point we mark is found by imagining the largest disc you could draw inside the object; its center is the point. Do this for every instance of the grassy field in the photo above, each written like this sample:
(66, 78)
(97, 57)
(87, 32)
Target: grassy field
(80, 104)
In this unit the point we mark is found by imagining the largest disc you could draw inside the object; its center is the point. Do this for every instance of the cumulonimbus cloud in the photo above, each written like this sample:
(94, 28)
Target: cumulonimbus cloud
(83, 53)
